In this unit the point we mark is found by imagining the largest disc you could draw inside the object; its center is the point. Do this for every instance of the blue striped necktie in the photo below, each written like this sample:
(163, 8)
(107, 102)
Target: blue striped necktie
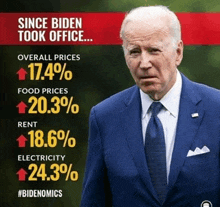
(156, 152)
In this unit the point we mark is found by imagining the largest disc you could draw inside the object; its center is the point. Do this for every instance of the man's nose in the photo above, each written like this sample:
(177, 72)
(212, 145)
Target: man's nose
(145, 61)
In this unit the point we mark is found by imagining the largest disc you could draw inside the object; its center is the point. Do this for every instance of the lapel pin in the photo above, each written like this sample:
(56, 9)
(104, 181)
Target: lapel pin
(206, 204)
(194, 115)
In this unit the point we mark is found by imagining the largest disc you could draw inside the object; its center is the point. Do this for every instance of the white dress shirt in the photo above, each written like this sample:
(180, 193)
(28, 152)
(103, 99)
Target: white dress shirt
(168, 116)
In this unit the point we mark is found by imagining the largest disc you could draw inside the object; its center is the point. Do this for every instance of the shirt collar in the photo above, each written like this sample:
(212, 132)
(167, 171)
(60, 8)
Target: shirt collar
(170, 101)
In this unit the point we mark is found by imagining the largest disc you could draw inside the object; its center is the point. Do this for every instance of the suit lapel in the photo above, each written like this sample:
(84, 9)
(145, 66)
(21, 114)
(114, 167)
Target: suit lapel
(187, 127)
(133, 129)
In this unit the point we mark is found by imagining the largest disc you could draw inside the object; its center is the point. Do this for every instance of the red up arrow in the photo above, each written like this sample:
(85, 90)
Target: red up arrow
(21, 141)
(21, 107)
(21, 174)
(21, 74)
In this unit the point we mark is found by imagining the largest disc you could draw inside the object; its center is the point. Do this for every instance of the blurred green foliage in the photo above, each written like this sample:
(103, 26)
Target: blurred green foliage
(100, 73)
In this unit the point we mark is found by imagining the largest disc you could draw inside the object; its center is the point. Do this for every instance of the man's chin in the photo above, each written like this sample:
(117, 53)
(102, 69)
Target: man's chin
(151, 91)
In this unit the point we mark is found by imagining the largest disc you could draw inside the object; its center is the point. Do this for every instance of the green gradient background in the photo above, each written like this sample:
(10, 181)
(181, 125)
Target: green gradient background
(100, 73)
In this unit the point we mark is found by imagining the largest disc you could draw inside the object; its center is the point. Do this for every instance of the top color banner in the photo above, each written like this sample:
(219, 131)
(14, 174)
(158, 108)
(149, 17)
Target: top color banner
(94, 28)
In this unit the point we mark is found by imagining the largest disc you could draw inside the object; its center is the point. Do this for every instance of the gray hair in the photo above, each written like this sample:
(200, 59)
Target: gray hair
(141, 13)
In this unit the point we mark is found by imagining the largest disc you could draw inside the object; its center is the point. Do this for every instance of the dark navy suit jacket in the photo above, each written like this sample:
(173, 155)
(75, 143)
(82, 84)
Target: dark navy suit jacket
(116, 169)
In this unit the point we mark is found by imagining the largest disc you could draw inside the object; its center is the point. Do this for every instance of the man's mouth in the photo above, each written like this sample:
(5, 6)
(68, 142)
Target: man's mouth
(147, 77)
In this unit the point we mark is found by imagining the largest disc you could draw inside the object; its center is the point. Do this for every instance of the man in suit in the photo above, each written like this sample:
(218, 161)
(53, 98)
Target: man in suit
(158, 142)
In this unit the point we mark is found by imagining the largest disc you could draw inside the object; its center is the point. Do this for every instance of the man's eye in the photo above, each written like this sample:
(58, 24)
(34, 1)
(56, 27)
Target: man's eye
(154, 50)
(134, 52)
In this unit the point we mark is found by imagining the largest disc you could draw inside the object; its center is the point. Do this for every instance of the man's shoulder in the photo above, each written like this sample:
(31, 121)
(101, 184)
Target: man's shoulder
(117, 101)
(207, 90)
(207, 93)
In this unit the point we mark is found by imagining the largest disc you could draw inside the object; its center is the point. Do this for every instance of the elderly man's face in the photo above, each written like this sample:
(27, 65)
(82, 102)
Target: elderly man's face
(152, 57)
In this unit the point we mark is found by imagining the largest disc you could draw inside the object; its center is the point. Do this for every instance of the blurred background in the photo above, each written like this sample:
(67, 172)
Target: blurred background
(100, 73)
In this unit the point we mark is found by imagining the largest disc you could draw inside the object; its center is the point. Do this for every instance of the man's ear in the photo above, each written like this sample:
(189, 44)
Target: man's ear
(179, 52)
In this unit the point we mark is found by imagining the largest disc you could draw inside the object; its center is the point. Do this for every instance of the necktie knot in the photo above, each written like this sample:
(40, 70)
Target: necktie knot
(155, 108)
